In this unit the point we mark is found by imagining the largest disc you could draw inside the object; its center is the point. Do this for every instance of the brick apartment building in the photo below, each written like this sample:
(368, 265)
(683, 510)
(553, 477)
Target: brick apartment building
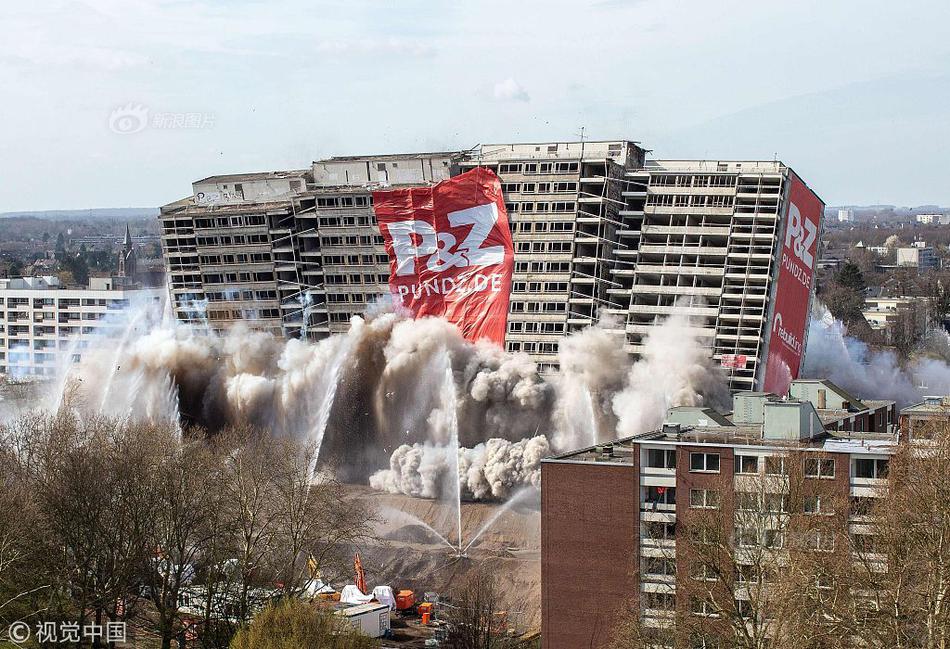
(613, 517)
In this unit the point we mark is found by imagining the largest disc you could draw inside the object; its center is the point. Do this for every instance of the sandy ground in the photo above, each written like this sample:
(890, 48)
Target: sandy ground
(410, 556)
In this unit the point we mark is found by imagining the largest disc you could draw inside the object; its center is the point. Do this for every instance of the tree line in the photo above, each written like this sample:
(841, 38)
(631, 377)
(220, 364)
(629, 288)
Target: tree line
(113, 521)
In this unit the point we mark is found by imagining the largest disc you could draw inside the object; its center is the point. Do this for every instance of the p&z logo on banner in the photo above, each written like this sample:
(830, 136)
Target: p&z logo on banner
(794, 289)
(450, 251)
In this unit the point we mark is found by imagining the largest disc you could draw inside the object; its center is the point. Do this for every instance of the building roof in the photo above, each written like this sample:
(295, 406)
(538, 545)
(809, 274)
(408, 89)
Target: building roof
(622, 451)
(391, 156)
(256, 175)
(932, 405)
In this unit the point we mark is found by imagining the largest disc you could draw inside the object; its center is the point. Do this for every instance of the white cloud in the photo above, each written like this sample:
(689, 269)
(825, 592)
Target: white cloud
(510, 90)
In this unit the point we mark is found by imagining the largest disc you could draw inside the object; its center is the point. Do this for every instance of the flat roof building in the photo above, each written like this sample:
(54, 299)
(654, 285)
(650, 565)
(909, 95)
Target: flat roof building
(597, 229)
(43, 323)
(616, 530)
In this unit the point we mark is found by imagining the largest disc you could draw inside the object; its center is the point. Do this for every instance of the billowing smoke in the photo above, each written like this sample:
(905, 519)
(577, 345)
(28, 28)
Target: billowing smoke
(410, 395)
(491, 470)
(874, 374)
(594, 367)
(674, 370)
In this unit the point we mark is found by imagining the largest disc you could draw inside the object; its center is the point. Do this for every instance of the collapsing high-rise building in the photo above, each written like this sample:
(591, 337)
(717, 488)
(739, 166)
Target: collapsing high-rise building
(598, 229)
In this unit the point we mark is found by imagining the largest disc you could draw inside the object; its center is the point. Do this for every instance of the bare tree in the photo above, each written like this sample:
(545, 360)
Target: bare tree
(476, 615)
(318, 523)
(184, 480)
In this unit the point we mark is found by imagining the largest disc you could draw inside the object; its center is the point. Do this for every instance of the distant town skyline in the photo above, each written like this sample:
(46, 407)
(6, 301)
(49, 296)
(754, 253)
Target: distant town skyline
(150, 95)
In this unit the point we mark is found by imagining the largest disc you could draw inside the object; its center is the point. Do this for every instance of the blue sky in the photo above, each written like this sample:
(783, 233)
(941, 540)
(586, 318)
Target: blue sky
(854, 95)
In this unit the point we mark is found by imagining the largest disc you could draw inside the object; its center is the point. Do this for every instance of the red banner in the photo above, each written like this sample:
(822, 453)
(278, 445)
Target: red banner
(734, 361)
(450, 251)
(786, 346)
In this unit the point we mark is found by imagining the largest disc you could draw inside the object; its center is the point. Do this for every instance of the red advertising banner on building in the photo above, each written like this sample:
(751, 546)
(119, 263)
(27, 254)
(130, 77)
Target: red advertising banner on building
(450, 251)
(734, 361)
(795, 286)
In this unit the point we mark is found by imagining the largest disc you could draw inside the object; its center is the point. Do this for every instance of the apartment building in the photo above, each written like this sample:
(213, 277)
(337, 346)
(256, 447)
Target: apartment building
(597, 228)
(615, 518)
(43, 323)
(703, 238)
(896, 317)
(921, 257)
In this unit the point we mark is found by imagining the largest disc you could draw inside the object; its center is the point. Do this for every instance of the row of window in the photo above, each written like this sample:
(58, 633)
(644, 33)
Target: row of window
(231, 240)
(684, 200)
(536, 327)
(355, 260)
(241, 221)
(541, 207)
(773, 465)
(230, 278)
(344, 221)
(234, 295)
(531, 347)
(685, 180)
(352, 240)
(539, 287)
(538, 307)
(243, 314)
(356, 279)
(542, 266)
(530, 168)
(554, 247)
(540, 227)
(240, 258)
(539, 188)
(344, 201)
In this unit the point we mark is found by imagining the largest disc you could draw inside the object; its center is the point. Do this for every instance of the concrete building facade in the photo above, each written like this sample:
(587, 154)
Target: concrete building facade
(616, 518)
(42, 322)
(598, 229)
(920, 257)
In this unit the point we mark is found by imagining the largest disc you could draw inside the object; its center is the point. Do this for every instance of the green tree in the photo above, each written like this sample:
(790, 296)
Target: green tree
(850, 276)
(293, 623)
(16, 268)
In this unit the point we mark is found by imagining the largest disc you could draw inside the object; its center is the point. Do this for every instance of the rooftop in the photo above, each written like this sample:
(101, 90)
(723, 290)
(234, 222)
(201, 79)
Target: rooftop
(256, 175)
(930, 405)
(392, 156)
(622, 451)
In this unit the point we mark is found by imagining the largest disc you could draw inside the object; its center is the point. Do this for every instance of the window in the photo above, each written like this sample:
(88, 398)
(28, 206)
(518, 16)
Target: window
(818, 505)
(818, 468)
(704, 534)
(865, 543)
(662, 601)
(659, 531)
(661, 459)
(708, 462)
(702, 607)
(774, 539)
(703, 499)
(659, 567)
(861, 505)
(744, 608)
(775, 465)
(868, 468)
(747, 537)
(661, 495)
(704, 572)
(821, 541)
(747, 464)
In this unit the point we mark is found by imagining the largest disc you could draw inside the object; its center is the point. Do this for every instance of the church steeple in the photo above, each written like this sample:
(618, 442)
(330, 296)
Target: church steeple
(127, 257)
